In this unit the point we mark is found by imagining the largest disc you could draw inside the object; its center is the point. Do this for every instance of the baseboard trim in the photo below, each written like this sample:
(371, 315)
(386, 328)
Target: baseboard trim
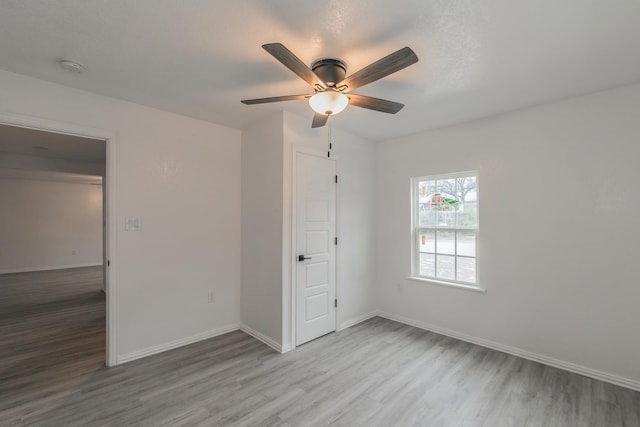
(550, 361)
(124, 358)
(47, 267)
(265, 339)
(352, 322)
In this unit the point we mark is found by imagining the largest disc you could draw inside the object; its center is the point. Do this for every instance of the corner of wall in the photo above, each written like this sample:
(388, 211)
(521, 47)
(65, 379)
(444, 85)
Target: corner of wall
(261, 235)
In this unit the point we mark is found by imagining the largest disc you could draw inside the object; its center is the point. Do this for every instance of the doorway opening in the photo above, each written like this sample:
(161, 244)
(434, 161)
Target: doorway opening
(55, 274)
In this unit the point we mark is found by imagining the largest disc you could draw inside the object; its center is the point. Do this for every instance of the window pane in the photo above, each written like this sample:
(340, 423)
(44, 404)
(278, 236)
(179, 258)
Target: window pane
(446, 242)
(466, 269)
(426, 216)
(426, 188)
(471, 195)
(466, 243)
(427, 241)
(446, 219)
(427, 265)
(467, 215)
(446, 186)
(446, 267)
(466, 189)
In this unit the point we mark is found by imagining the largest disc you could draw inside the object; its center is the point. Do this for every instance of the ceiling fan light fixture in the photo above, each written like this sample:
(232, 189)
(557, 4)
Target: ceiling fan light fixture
(329, 102)
(327, 78)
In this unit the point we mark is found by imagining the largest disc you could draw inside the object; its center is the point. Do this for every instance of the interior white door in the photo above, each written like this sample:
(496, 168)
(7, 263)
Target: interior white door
(316, 250)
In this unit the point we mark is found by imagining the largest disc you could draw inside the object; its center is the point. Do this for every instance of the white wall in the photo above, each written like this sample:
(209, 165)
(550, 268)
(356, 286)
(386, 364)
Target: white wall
(267, 252)
(182, 178)
(47, 225)
(558, 243)
(356, 251)
(355, 217)
(261, 290)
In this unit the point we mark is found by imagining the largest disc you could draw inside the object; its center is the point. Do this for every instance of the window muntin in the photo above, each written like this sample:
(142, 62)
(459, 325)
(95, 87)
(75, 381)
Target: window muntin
(445, 228)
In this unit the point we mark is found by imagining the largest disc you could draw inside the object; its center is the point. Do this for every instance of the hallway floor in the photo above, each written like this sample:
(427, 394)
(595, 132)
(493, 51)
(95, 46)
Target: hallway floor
(52, 334)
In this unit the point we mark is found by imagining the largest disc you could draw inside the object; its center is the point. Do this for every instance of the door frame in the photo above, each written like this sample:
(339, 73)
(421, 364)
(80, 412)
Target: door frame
(294, 231)
(109, 235)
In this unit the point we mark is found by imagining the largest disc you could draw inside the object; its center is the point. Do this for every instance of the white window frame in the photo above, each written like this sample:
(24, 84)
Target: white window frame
(416, 229)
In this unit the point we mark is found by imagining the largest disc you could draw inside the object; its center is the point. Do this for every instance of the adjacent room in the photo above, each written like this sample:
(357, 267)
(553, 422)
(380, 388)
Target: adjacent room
(52, 270)
(305, 214)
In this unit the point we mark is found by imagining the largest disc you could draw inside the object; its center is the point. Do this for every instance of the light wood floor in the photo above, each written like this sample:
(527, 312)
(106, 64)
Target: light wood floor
(377, 373)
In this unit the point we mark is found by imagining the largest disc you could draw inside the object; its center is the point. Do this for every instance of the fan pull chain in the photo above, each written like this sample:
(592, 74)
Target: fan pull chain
(329, 139)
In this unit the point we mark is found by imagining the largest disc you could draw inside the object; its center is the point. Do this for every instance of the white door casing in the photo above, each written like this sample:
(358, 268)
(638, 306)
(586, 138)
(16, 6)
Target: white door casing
(315, 233)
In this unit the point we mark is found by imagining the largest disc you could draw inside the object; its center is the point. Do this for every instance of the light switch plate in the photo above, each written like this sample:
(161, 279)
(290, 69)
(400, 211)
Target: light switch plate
(132, 224)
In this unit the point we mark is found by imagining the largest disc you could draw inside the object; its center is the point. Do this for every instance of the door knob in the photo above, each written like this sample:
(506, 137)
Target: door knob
(302, 258)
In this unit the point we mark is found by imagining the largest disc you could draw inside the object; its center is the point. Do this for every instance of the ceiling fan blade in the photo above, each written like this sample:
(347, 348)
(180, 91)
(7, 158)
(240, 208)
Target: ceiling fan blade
(374, 103)
(292, 62)
(275, 99)
(319, 120)
(381, 68)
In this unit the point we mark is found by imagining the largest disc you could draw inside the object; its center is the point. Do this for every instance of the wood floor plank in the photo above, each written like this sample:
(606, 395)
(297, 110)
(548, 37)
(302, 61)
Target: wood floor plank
(377, 373)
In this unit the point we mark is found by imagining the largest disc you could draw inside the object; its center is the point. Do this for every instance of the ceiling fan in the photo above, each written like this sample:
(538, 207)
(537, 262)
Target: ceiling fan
(332, 90)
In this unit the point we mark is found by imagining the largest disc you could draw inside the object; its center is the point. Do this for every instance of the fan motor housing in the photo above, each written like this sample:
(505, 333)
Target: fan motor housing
(330, 70)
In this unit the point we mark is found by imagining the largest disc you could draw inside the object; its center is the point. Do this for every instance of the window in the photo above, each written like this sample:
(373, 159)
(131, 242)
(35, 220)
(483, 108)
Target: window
(445, 228)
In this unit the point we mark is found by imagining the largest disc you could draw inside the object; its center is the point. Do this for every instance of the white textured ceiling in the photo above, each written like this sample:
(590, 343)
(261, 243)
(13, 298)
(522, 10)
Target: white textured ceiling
(32, 142)
(201, 57)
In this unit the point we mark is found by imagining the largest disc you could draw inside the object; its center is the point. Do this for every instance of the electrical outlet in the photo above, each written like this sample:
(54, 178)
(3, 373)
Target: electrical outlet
(211, 297)
(73, 252)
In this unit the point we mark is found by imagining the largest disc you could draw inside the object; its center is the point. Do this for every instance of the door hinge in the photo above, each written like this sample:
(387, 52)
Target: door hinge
(336, 241)
(108, 263)
(336, 179)
(335, 302)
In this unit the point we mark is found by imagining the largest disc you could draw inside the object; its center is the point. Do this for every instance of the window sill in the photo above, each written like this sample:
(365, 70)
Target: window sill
(448, 284)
